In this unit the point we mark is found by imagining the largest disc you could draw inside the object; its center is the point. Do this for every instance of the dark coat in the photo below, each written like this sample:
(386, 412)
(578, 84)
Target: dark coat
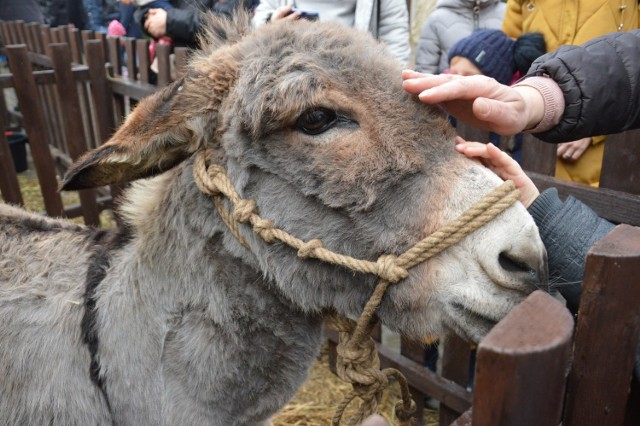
(25, 10)
(601, 85)
(184, 20)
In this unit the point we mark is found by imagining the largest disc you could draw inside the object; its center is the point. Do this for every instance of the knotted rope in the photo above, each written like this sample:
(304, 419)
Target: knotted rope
(358, 361)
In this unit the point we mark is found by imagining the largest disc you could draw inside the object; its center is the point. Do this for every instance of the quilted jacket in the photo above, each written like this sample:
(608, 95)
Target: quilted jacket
(600, 81)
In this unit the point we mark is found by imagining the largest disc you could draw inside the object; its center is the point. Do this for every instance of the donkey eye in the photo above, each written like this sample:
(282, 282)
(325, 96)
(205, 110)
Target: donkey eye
(315, 121)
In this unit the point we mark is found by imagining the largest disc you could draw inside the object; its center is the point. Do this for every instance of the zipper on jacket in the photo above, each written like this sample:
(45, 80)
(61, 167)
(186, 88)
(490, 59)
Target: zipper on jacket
(476, 15)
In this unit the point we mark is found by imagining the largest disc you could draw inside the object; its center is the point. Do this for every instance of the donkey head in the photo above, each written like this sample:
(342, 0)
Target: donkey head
(311, 122)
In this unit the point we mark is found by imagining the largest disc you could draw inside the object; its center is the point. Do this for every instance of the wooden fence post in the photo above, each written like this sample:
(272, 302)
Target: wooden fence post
(521, 366)
(73, 126)
(34, 123)
(607, 331)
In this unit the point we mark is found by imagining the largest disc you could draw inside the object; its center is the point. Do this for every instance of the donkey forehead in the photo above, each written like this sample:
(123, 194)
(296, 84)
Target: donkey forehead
(298, 66)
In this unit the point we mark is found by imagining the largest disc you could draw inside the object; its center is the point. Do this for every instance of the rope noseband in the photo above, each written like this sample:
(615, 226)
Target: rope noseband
(358, 361)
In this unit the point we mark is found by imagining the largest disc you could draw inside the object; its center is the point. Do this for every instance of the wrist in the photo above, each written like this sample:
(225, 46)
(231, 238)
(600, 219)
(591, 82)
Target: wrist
(534, 106)
(544, 100)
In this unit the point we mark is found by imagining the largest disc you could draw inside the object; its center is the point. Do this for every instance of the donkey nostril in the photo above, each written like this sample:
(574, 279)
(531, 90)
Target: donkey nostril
(512, 264)
(535, 273)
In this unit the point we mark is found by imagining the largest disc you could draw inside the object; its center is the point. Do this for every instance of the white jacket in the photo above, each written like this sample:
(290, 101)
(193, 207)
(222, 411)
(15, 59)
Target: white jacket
(392, 27)
(453, 20)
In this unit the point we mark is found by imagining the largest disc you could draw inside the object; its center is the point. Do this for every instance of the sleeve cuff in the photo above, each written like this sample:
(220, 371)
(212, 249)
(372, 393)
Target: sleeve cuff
(553, 99)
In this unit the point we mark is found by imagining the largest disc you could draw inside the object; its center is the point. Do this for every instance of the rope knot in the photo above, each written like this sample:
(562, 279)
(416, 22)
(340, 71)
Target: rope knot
(403, 413)
(265, 229)
(243, 210)
(387, 268)
(308, 249)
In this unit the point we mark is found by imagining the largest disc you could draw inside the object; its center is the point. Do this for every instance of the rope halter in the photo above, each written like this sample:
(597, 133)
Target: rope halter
(358, 361)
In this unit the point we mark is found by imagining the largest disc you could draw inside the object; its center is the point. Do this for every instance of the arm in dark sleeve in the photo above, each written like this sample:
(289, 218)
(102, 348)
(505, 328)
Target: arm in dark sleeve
(183, 24)
(568, 230)
(600, 81)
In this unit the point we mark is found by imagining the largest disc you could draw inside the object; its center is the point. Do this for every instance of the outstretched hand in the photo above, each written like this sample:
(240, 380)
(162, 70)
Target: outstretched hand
(502, 165)
(479, 101)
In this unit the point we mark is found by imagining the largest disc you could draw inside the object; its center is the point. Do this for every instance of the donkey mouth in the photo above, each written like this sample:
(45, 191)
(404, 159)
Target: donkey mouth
(469, 324)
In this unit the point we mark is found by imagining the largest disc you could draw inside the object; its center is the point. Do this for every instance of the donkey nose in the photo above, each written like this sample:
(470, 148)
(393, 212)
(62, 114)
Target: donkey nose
(531, 270)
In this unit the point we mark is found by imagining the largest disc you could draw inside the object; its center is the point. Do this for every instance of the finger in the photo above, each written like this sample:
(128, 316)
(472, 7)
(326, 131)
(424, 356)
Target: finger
(423, 82)
(411, 74)
(460, 140)
(448, 87)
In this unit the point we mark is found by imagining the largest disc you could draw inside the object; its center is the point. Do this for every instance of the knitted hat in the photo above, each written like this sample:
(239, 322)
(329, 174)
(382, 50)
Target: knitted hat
(491, 51)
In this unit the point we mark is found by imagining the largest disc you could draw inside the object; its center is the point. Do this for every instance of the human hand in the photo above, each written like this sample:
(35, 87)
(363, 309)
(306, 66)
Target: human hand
(479, 101)
(502, 165)
(571, 151)
(285, 13)
(156, 22)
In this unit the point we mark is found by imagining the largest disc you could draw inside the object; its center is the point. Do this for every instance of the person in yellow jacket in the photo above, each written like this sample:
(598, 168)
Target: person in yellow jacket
(572, 22)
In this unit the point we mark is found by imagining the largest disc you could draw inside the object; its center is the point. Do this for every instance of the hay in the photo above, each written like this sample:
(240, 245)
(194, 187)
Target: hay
(317, 399)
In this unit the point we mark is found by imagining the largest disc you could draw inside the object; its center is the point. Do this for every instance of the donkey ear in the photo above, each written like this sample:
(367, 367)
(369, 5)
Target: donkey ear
(154, 138)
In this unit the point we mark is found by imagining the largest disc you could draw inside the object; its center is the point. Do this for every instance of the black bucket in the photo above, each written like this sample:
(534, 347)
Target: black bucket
(17, 145)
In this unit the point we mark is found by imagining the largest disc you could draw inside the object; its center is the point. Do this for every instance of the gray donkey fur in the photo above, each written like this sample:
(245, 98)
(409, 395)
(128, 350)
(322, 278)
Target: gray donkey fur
(170, 320)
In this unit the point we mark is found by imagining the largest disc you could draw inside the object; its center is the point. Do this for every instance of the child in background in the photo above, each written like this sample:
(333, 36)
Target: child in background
(496, 55)
(143, 9)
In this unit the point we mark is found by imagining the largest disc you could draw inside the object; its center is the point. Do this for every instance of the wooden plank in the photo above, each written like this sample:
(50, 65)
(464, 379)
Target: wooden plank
(13, 34)
(74, 44)
(607, 331)
(142, 47)
(415, 351)
(133, 89)
(163, 52)
(9, 185)
(36, 36)
(47, 38)
(538, 156)
(68, 93)
(35, 126)
(615, 206)
(4, 32)
(130, 51)
(620, 164)
(115, 55)
(521, 366)
(456, 356)
(99, 89)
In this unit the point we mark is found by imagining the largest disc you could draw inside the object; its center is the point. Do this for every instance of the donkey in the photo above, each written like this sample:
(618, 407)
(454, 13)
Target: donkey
(170, 319)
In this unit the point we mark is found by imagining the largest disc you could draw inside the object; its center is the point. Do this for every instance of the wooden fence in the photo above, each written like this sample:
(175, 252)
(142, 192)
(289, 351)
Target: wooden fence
(74, 89)
(534, 368)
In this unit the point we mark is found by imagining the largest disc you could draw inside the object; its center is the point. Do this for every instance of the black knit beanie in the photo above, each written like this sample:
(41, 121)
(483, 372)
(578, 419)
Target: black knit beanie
(497, 55)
